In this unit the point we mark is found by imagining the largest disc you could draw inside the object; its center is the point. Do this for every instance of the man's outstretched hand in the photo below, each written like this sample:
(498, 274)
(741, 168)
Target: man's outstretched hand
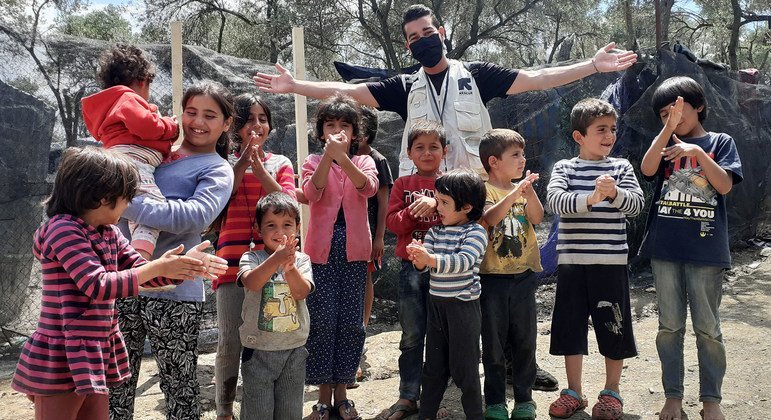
(283, 82)
(606, 61)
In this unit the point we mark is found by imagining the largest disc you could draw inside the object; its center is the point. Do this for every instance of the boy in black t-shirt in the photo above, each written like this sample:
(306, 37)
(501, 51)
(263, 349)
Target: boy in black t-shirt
(377, 205)
(687, 238)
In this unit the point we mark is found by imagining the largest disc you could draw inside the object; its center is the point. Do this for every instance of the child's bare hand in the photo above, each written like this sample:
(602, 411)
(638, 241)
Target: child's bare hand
(606, 185)
(246, 157)
(525, 187)
(423, 206)
(596, 196)
(289, 264)
(680, 149)
(256, 161)
(378, 247)
(418, 254)
(337, 145)
(285, 252)
(675, 114)
(214, 266)
(182, 267)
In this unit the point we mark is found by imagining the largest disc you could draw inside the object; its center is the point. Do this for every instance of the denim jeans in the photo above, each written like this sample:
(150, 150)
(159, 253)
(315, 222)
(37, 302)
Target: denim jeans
(701, 286)
(413, 305)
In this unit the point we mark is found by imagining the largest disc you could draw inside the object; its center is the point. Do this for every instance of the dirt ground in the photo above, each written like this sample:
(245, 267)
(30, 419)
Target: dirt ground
(746, 320)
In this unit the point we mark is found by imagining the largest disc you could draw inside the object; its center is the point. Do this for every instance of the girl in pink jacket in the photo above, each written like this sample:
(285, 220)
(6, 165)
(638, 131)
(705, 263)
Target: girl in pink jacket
(336, 184)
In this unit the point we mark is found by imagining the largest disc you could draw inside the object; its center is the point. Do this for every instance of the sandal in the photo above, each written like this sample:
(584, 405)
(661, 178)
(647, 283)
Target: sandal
(496, 412)
(609, 406)
(523, 411)
(347, 406)
(567, 404)
(320, 412)
(404, 411)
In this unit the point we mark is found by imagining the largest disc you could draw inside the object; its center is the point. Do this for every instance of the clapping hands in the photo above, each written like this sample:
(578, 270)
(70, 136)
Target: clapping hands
(418, 254)
(337, 145)
(286, 253)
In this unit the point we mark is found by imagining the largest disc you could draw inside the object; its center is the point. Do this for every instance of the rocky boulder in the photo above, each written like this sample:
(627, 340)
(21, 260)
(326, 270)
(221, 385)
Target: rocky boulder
(26, 125)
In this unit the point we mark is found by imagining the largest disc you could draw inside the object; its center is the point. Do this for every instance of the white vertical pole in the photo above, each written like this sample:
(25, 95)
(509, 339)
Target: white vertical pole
(176, 73)
(301, 116)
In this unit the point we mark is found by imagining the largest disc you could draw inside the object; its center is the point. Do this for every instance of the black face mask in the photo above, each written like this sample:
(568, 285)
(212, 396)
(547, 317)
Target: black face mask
(427, 50)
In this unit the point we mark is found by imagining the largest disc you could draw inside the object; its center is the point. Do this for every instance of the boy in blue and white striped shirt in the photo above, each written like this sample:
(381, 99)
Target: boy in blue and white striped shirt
(453, 252)
(593, 194)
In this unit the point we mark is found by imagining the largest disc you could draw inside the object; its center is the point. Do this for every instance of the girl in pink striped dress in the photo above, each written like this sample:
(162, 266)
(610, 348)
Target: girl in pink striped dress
(77, 350)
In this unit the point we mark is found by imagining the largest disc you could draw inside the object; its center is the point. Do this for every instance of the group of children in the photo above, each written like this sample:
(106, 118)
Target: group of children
(468, 249)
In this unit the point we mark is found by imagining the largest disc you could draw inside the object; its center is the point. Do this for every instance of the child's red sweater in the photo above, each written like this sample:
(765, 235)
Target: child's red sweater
(405, 191)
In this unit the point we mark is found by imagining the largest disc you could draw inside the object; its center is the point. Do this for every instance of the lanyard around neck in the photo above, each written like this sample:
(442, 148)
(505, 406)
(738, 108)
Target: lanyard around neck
(432, 90)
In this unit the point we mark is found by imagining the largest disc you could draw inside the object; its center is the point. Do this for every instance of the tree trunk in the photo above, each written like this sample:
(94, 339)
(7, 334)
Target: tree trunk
(733, 43)
(631, 39)
(666, 14)
(222, 29)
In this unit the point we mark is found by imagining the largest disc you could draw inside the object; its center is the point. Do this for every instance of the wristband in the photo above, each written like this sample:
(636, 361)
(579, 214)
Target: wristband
(595, 66)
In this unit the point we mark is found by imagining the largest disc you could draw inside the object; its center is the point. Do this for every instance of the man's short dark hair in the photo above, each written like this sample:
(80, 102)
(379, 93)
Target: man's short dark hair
(670, 89)
(124, 64)
(88, 175)
(465, 187)
(587, 110)
(279, 203)
(426, 128)
(497, 141)
(415, 12)
(369, 123)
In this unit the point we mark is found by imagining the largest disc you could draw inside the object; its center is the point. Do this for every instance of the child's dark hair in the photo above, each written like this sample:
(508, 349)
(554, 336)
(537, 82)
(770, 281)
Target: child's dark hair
(670, 89)
(369, 123)
(279, 203)
(426, 128)
(415, 12)
(88, 175)
(497, 141)
(587, 110)
(338, 107)
(124, 64)
(223, 98)
(243, 104)
(464, 187)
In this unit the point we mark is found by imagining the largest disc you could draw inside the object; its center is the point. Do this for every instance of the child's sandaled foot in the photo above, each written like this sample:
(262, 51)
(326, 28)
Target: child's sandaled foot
(320, 412)
(711, 411)
(346, 409)
(442, 413)
(609, 406)
(567, 404)
(672, 410)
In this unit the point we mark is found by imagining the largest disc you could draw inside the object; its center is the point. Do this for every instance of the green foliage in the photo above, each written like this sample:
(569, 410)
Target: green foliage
(105, 24)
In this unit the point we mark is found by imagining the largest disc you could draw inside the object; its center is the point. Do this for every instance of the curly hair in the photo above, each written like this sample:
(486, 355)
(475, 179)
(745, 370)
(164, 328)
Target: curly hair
(124, 64)
(338, 107)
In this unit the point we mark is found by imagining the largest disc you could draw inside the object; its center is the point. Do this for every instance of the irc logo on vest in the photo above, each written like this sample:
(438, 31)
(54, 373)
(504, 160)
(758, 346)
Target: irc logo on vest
(464, 84)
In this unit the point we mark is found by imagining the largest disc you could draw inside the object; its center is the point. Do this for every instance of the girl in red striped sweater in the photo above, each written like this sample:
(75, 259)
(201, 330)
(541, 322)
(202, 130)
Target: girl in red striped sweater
(257, 174)
(77, 351)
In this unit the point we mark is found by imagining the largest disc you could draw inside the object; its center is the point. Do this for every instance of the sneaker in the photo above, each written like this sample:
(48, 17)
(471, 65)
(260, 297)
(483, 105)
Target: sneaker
(497, 412)
(523, 411)
(544, 381)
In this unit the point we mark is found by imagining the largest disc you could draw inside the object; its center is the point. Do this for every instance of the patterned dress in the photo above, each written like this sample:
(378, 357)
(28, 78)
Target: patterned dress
(77, 345)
